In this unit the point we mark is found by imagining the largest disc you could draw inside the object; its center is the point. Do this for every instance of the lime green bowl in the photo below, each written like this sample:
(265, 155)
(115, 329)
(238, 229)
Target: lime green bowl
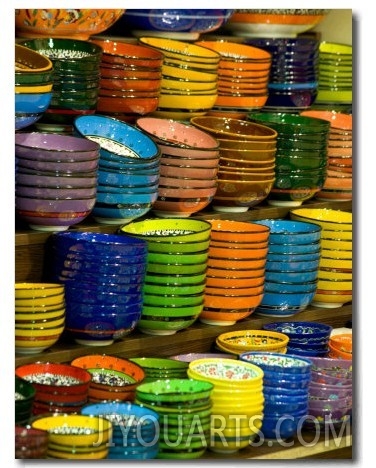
(178, 279)
(161, 326)
(168, 311)
(167, 288)
(189, 258)
(171, 301)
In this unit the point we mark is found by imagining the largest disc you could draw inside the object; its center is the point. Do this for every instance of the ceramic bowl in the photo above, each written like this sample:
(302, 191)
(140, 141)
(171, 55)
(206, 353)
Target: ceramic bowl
(302, 332)
(285, 304)
(332, 367)
(291, 231)
(78, 23)
(30, 442)
(292, 277)
(252, 340)
(31, 67)
(24, 397)
(161, 368)
(329, 219)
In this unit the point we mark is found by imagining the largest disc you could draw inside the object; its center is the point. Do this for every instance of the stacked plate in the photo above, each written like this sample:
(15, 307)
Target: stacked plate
(239, 186)
(39, 316)
(184, 407)
(238, 401)
(286, 392)
(308, 339)
(177, 259)
(157, 368)
(293, 82)
(112, 378)
(135, 429)
(103, 276)
(235, 276)
(338, 183)
(188, 166)
(128, 170)
(334, 286)
(189, 78)
(33, 85)
(130, 79)
(292, 267)
(59, 388)
(56, 179)
(301, 158)
(335, 74)
(243, 77)
(76, 76)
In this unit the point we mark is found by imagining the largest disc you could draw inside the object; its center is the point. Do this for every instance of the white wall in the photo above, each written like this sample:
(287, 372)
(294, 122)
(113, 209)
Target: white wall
(336, 26)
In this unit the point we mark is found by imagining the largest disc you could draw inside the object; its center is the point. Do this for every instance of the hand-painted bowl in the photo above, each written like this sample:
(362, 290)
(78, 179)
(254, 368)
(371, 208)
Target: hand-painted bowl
(64, 23)
(253, 340)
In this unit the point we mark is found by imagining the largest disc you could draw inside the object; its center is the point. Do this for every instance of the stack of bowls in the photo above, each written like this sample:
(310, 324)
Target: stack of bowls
(292, 267)
(293, 80)
(33, 77)
(59, 388)
(330, 393)
(243, 76)
(242, 341)
(76, 436)
(184, 407)
(135, 429)
(130, 81)
(55, 180)
(340, 346)
(306, 339)
(39, 316)
(157, 368)
(197, 93)
(235, 276)
(301, 158)
(30, 443)
(238, 401)
(112, 378)
(172, 23)
(75, 78)
(128, 171)
(335, 75)
(286, 391)
(334, 286)
(103, 276)
(24, 394)
(177, 259)
(239, 186)
(338, 183)
(188, 166)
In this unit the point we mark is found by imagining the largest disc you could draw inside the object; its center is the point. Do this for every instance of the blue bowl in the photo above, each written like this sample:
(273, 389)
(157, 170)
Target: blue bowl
(101, 281)
(134, 287)
(278, 379)
(294, 367)
(296, 277)
(32, 103)
(308, 352)
(284, 407)
(129, 198)
(271, 286)
(282, 391)
(124, 214)
(147, 453)
(99, 267)
(117, 161)
(114, 177)
(299, 257)
(283, 301)
(282, 426)
(286, 231)
(117, 137)
(97, 244)
(303, 331)
(294, 249)
(113, 166)
(176, 20)
(90, 296)
(292, 266)
(124, 189)
(23, 120)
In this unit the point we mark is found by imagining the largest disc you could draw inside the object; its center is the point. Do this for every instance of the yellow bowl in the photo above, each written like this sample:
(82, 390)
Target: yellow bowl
(39, 332)
(28, 313)
(335, 264)
(99, 430)
(228, 372)
(282, 350)
(188, 86)
(186, 101)
(39, 302)
(189, 75)
(45, 88)
(337, 254)
(336, 244)
(253, 340)
(231, 409)
(331, 300)
(327, 218)
(35, 290)
(39, 324)
(334, 275)
(333, 285)
(33, 346)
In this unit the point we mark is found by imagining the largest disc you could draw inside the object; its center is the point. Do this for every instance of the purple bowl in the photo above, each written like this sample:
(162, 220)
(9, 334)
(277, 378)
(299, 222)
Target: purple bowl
(29, 171)
(326, 379)
(39, 205)
(54, 193)
(49, 181)
(330, 392)
(53, 221)
(58, 166)
(341, 368)
(48, 146)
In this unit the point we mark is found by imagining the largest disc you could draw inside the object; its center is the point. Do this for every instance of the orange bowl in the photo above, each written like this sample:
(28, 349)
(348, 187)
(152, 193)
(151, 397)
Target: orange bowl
(237, 254)
(220, 272)
(64, 23)
(223, 317)
(342, 342)
(230, 264)
(229, 282)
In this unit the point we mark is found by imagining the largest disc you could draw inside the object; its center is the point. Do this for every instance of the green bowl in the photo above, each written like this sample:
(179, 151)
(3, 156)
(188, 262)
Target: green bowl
(317, 147)
(290, 123)
(160, 364)
(174, 390)
(159, 325)
(36, 78)
(169, 230)
(294, 162)
(170, 312)
(165, 409)
(175, 279)
(174, 289)
(178, 247)
(171, 301)
(178, 259)
(24, 398)
(175, 269)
